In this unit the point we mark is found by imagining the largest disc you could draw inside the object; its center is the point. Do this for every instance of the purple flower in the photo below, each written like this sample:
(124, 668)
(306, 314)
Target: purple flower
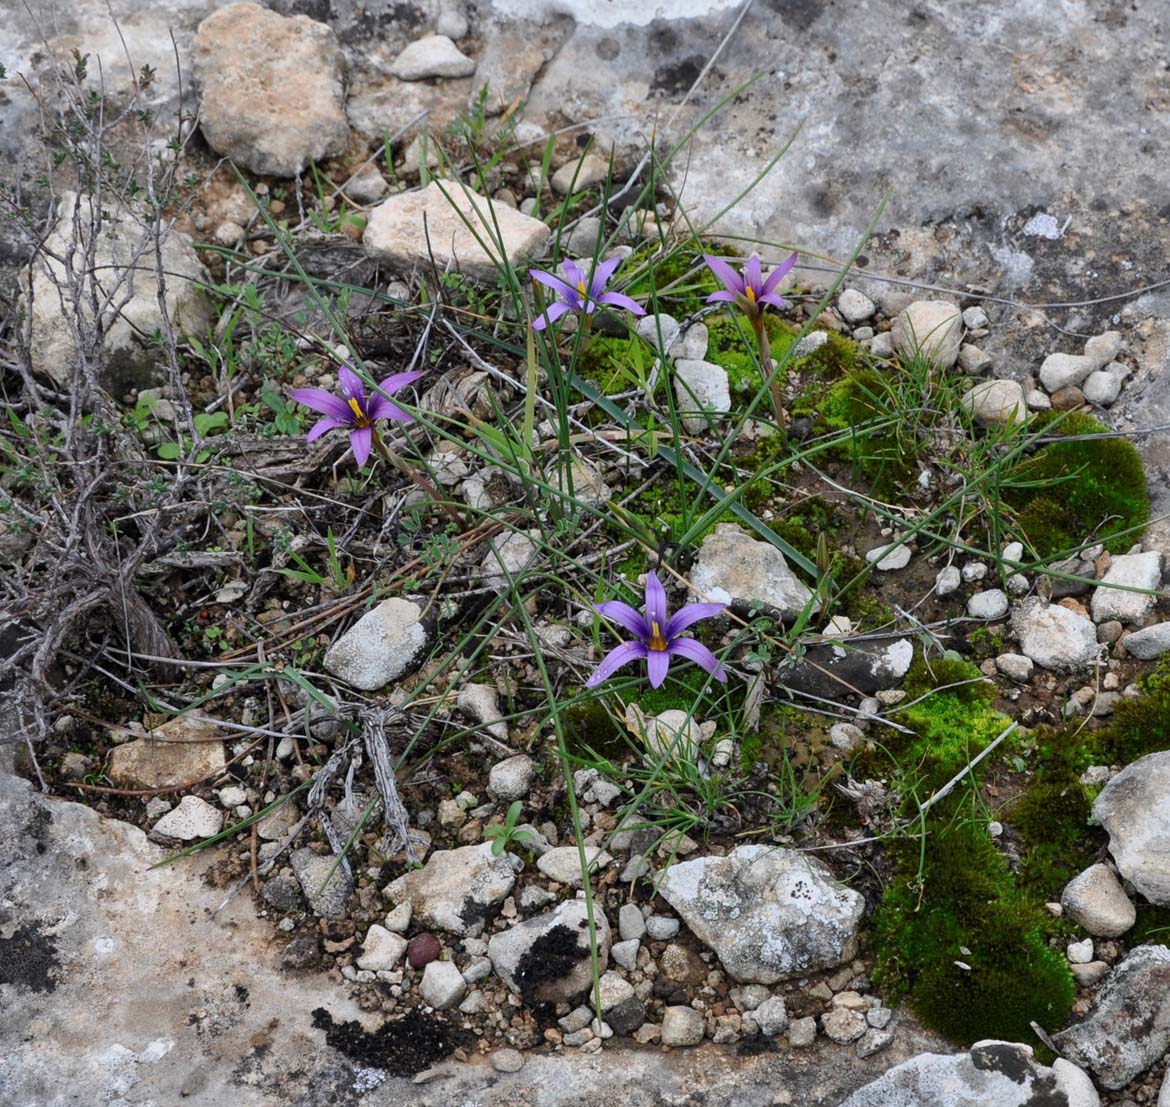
(580, 294)
(354, 409)
(748, 289)
(658, 636)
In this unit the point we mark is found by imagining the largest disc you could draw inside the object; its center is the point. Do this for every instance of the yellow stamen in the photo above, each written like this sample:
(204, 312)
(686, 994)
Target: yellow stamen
(362, 419)
(657, 642)
(750, 293)
(581, 287)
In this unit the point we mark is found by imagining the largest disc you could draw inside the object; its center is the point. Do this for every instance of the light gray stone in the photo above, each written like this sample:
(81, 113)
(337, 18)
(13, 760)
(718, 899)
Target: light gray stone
(682, 1026)
(892, 556)
(518, 959)
(771, 1016)
(381, 950)
(456, 889)
(932, 328)
(734, 567)
(993, 403)
(125, 284)
(386, 643)
(1140, 570)
(948, 580)
(661, 928)
(846, 736)
(272, 89)
(625, 953)
(1149, 642)
(631, 924)
(194, 818)
(974, 318)
(1101, 349)
(992, 1074)
(397, 921)
(1080, 953)
(649, 326)
(512, 554)
(511, 779)
(442, 985)
(1128, 1029)
(802, 1032)
(842, 1025)
(1064, 370)
(1102, 387)
(973, 361)
(855, 306)
(579, 175)
(702, 392)
(989, 604)
(1053, 636)
(563, 863)
(325, 881)
(1095, 900)
(507, 1060)
(1015, 666)
(1134, 808)
(769, 913)
(395, 232)
(481, 702)
(432, 56)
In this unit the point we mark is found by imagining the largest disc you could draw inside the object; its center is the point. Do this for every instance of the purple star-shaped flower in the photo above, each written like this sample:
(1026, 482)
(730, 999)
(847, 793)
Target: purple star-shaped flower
(579, 293)
(658, 636)
(355, 410)
(748, 289)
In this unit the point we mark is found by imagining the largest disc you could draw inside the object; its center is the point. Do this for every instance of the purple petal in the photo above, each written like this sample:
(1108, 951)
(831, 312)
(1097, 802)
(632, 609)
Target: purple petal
(602, 274)
(773, 299)
(555, 283)
(728, 277)
(625, 616)
(552, 313)
(657, 666)
(690, 614)
(721, 298)
(617, 299)
(381, 408)
(361, 439)
(655, 603)
(695, 651)
(351, 385)
(779, 273)
(322, 426)
(753, 276)
(325, 402)
(614, 660)
(397, 381)
(573, 275)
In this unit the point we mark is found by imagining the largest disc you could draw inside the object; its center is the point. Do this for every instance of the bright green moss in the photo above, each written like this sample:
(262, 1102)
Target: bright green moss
(1071, 491)
(951, 727)
(1139, 726)
(958, 940)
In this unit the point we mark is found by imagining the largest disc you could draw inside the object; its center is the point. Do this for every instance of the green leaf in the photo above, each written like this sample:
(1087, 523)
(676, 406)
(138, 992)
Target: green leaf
(169, 451)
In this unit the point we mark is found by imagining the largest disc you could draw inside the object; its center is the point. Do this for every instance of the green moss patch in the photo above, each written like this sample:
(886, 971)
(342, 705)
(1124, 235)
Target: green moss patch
(1072, 491)
(960, 942)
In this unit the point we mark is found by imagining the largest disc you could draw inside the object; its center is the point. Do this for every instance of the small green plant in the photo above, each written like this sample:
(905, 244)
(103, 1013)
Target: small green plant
(507, 834)
(338, 577)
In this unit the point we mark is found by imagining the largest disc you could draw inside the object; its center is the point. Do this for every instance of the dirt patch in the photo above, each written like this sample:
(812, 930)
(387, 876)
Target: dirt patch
(552, 957)
(402, 1047)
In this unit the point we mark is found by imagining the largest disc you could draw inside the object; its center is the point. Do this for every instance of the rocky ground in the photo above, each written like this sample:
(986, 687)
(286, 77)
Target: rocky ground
(393, 907)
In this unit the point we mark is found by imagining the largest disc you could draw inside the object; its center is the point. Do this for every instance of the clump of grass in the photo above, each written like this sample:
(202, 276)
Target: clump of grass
(1072, 491)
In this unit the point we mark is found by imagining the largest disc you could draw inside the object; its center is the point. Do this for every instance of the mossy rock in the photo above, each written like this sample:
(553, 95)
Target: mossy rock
(1094, 488)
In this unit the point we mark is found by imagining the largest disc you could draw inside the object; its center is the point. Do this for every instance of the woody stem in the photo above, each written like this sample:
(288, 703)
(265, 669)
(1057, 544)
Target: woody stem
(416, 477)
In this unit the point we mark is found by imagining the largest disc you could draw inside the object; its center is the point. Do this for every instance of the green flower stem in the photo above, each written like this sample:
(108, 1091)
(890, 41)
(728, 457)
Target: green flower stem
(770, 370)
